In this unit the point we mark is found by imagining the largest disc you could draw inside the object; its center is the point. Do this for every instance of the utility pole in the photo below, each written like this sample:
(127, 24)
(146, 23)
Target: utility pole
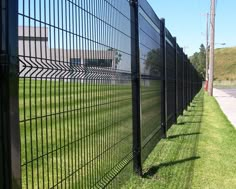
(212, 43)
(207, 47)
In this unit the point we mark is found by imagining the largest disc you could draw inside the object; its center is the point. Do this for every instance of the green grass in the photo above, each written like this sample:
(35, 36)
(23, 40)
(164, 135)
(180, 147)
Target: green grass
(200, 152)
(73, 133)
(225, 64)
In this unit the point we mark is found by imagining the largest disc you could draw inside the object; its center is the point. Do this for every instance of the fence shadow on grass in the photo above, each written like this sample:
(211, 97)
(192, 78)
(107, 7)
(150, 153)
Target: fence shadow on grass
(172, 162)
(153, 170)
(183, 134)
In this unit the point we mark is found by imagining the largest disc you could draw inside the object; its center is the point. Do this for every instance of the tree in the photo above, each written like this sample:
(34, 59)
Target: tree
(117, 56)
(153, 62)
(198, 59)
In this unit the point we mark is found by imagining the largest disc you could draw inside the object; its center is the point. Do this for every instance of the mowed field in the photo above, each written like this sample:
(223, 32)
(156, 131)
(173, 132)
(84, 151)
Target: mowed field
(79, 135)
(225, 64)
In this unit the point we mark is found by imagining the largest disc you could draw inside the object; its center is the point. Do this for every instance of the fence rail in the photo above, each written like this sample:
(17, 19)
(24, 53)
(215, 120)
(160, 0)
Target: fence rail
(88, 88)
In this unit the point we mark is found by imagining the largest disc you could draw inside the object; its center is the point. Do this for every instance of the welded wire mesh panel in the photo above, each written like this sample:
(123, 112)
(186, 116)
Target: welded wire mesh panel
(170, 80)
(190, 82)
(75, 93)
(180, 80)
(150, 64)
(1, 138)
(185, 82)
(190, 74)
(196, 83)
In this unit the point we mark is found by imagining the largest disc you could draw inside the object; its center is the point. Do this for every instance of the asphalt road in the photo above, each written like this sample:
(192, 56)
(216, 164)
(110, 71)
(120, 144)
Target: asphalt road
(231, 92)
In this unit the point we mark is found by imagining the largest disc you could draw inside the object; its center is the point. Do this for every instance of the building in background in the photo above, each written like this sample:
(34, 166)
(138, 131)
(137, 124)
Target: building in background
(50, 61)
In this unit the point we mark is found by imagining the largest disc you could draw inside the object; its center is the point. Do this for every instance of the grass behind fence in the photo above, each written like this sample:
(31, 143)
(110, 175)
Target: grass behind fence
(76, 134)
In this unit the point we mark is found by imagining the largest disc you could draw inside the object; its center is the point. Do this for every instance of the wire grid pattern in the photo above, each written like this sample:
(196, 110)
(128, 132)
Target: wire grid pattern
(74, 93)
(170, 79)
(151, 65)
(188, 82)
(185, 62)
(1, 134)
(179, 81)
(190, 77)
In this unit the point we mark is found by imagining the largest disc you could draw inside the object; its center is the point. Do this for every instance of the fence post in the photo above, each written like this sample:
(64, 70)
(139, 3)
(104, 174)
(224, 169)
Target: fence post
(163, 79)
(135, 69)
(9, 117)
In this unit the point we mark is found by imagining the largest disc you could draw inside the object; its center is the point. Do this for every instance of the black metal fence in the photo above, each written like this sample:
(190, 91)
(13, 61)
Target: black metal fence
(88, 88)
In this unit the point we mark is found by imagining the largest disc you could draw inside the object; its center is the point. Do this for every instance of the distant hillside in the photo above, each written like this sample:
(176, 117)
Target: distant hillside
(225, 64)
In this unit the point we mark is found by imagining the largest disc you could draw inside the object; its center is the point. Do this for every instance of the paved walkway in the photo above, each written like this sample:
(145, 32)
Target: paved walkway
(227, 101)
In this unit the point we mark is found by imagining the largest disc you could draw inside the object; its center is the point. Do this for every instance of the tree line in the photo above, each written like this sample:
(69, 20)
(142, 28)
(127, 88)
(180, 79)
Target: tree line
(198, 59)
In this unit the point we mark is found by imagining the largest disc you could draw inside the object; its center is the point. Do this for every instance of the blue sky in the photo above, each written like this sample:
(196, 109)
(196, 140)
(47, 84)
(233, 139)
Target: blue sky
(186, 20)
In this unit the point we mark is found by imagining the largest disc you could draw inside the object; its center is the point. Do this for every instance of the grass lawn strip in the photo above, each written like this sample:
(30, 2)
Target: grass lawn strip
(199, 152)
